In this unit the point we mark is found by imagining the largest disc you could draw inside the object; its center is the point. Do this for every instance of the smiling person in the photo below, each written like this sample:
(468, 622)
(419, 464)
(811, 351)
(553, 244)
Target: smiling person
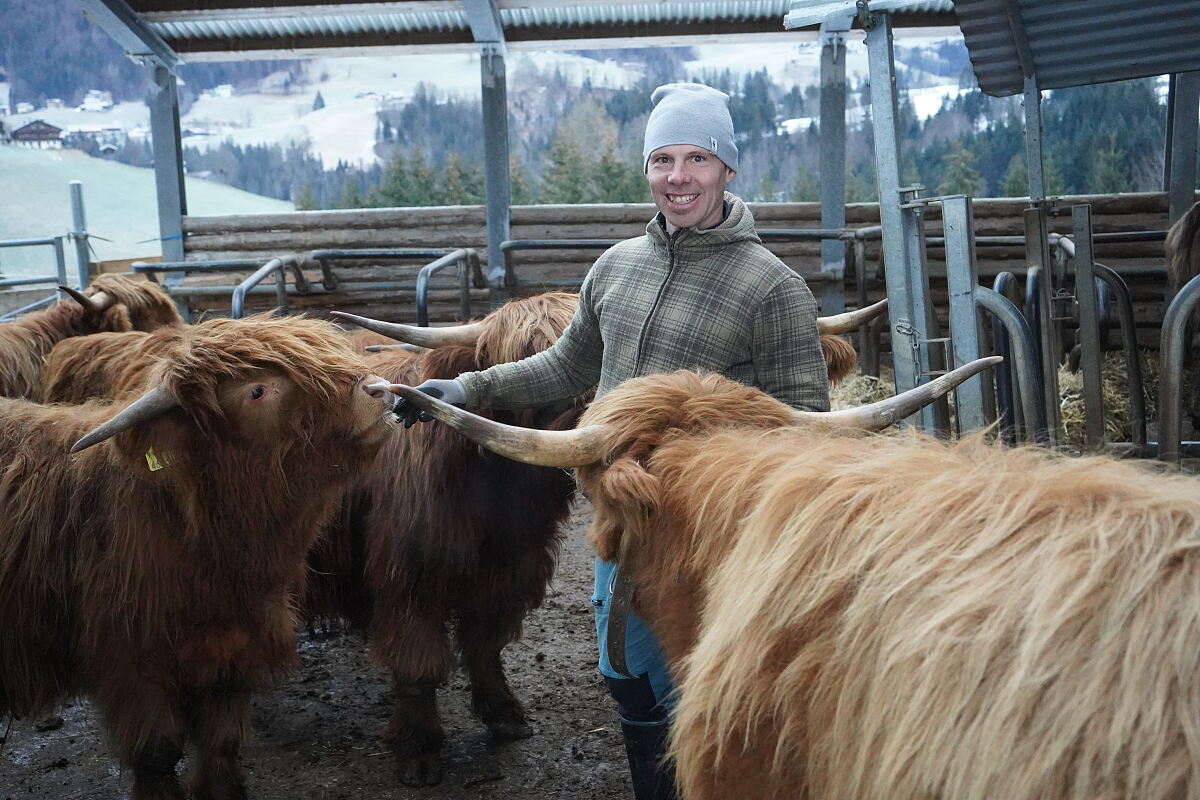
(698, 292)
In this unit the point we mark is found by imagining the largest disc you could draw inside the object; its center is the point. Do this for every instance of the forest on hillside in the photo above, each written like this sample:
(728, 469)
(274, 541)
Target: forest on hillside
(590, 153)
(50, 49)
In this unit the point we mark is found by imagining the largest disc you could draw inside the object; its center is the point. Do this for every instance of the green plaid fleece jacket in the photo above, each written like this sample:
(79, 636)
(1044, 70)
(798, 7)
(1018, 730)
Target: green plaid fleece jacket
(709, 300)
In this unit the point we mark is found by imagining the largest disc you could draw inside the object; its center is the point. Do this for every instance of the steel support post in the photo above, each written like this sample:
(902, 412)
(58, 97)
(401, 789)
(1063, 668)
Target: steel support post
(1037, 255)
(1033, 139)
(1089, 327)
(495, 162)
(831, 294)
(929, 348)
(1182, 126)
(79, 233)
(1170, 386)
(961, 281)
(168, 160)
(906, 328)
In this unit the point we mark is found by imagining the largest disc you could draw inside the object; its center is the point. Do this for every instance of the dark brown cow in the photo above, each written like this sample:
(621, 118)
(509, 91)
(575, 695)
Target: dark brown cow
(442, 536)
(111, 303)
(154, 573)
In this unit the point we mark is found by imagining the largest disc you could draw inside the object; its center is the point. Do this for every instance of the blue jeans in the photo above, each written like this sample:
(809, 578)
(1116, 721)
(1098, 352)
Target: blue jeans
(643, 654)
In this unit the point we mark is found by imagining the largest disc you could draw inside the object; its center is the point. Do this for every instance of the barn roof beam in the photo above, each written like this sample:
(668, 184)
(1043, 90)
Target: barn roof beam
(130, 31)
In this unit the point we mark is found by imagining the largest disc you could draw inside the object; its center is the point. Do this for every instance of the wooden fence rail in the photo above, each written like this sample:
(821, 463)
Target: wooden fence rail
(264, 236)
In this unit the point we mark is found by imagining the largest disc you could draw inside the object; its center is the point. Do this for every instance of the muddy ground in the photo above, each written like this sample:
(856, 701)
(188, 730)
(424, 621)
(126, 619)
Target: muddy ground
(318, 735)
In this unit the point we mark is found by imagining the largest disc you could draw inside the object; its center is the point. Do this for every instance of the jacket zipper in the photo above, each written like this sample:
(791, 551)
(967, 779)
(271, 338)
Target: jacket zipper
(637, 364)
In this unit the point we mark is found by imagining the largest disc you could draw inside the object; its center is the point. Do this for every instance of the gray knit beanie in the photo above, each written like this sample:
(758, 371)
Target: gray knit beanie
(690, 113)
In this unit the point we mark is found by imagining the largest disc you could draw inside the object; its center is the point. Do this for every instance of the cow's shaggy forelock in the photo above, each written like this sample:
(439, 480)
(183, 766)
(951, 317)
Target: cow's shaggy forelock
(901, 617)
(312, 353)
(641, 414)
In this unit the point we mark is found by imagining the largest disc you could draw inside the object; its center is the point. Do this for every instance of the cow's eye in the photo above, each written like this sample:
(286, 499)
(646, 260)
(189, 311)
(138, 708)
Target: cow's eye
(257, 392)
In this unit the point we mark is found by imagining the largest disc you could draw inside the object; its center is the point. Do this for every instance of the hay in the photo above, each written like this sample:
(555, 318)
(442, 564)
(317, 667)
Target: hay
(1114, 389)
(858, 390)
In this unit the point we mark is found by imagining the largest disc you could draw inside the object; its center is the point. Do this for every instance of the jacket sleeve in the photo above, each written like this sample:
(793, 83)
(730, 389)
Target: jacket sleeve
(787, 347)
(569, 368)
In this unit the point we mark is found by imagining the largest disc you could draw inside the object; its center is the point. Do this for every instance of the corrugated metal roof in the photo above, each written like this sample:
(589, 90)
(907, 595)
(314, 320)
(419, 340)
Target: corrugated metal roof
(193, 27)
(1078, 42)
(803, 13)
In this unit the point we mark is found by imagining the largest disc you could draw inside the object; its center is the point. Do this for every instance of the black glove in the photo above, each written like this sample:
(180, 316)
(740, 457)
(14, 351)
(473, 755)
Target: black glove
(448, 391)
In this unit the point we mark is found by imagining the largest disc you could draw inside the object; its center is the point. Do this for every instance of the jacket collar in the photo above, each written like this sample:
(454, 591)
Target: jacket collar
(737, 226)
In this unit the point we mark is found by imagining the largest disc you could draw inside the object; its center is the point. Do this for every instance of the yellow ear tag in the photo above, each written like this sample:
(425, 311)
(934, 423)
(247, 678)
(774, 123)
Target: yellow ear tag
(153, 462)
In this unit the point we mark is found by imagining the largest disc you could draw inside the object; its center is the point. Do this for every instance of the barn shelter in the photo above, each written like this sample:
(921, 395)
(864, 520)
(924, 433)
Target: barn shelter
(1021, 47)
(162, 34)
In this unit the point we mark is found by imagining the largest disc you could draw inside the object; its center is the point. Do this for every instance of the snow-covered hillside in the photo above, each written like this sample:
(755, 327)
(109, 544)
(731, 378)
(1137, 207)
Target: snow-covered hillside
(352, 90)
(120, 205)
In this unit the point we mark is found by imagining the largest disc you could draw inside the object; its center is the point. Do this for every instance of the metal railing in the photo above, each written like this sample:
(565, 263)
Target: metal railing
(467, 259)
(59, 278)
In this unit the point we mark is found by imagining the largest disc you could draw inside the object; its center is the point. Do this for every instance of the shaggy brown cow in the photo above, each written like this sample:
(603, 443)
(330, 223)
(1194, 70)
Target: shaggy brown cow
(154, 573)
(120, 305)
(895, 617)
(442, 536)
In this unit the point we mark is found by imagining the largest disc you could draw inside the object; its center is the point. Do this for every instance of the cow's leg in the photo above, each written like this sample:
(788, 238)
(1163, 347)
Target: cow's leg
(219, 719)
(481, 637)
(415, 734)
(154, 776)
(412, 641)
(144, 725)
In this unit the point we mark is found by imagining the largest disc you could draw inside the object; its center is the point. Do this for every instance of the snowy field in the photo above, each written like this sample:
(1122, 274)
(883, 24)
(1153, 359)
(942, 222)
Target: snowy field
(120, 205)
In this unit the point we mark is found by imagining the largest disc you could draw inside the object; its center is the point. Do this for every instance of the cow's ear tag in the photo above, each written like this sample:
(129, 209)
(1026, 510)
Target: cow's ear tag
(153, 461)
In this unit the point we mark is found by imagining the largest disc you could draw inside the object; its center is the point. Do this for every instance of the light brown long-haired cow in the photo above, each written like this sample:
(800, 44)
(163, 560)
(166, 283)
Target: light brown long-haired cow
(153, 572)
(858, 618)
(111, 303)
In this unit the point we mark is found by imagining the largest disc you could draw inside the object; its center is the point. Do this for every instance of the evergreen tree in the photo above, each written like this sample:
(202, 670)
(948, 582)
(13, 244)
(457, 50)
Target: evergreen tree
(960, 175)
(565, 179)
(519, 191)
(304, 201)
(615, 179)
(422, 186)
(1109, 173)
(458, 184)
(1016, 178)
(804, 188)
(350, 197)
(394, 187)
(451, 183)
(318, 102)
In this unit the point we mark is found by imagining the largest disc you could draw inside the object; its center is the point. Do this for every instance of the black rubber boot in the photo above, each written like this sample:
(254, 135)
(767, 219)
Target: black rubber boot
(645, 745)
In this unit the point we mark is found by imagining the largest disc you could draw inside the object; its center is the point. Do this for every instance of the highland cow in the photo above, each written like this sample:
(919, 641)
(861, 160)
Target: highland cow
(439, 536)
(111, 303)
(893, 616)
(154, 572)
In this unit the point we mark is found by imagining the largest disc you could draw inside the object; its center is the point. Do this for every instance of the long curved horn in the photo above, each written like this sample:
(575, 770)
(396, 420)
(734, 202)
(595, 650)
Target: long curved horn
(151, 405)
(96, 304)
(573, 448)
(877, 416)
(383, 348)
(464, 335)
(851, 320)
